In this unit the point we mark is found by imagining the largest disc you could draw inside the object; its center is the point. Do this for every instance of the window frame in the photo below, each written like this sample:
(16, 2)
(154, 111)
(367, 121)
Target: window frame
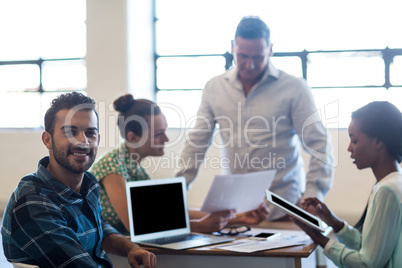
(39, 62)
(387, 55)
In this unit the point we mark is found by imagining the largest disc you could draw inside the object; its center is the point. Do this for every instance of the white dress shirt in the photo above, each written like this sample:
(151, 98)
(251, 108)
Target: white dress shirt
(264, 130)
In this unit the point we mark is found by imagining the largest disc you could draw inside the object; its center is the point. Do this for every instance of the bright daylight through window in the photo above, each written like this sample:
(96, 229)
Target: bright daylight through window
(42, 50)
(350, 52)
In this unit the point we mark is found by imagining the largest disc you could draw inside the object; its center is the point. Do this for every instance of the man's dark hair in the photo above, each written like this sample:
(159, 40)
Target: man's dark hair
(67, 101)
(253, 27)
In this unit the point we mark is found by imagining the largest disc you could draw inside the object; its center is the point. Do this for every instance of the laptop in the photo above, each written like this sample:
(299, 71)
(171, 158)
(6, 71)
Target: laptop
(158, 215)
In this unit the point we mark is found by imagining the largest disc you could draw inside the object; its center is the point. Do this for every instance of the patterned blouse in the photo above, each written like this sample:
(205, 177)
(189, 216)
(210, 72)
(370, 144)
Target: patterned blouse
(118, 161)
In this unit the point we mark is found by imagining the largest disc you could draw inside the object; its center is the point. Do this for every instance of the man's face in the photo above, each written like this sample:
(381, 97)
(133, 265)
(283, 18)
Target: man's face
(75, 140)
(251, 57)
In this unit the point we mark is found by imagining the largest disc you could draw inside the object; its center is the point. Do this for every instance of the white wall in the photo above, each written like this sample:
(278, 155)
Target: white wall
(115, 68)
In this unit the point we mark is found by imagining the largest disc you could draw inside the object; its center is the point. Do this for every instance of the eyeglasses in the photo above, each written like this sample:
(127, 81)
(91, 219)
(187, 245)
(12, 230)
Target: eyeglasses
(234, 230)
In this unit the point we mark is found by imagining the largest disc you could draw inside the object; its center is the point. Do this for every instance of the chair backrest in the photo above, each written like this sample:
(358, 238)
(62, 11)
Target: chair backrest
(23, 265)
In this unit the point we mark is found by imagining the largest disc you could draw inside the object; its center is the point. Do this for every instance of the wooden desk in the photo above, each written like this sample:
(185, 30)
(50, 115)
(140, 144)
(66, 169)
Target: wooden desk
(211, 257)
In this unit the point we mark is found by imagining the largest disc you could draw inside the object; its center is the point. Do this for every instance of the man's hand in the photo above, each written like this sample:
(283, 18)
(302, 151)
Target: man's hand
(138, 256)
(252, 217)
(212, 222)
(120, 245)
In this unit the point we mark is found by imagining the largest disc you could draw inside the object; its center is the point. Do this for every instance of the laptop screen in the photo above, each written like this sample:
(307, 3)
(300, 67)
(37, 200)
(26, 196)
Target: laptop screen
(157, 207)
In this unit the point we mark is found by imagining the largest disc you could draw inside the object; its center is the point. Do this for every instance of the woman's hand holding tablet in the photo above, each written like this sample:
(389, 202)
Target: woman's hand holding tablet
(295, 212)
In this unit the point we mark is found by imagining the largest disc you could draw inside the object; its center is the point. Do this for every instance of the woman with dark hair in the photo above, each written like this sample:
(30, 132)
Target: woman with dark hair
(375, 142)
(143, 127)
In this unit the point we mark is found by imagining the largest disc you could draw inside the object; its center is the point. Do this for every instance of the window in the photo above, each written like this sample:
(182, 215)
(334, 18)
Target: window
(41, 55)
(349, 51)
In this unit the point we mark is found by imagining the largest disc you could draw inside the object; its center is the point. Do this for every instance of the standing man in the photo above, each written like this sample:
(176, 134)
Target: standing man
(265, 117)
(53, 218)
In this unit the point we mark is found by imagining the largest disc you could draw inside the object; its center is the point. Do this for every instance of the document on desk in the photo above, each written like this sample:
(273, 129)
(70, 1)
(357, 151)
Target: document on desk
(286, 239)
(242, 192)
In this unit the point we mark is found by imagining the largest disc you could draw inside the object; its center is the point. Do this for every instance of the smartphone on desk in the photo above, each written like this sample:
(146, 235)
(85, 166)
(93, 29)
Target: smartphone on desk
(264, 236)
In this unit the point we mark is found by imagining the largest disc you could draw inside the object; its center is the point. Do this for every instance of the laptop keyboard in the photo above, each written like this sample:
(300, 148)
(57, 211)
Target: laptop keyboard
(173, 239)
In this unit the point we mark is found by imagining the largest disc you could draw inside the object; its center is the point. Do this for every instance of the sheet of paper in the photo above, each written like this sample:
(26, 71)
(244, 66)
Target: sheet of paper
(287, 238)
(242, 192)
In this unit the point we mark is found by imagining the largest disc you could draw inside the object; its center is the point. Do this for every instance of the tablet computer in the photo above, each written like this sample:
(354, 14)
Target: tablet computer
(296, 212)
